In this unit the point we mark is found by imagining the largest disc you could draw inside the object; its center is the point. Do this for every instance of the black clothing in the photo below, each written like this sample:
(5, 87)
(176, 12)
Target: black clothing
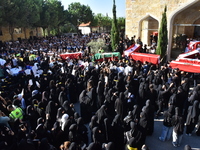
(192, 117)
(178, 122)
(118, 132)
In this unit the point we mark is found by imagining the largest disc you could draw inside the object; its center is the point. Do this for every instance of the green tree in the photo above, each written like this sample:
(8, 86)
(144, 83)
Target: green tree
(28, 13)
(114, 30)
(121, 23)
(100, 18)
(102, 22)
(48, 16)
(162, 36)
(79, 14)
(107, 23)
(58, 15)
(62, 16)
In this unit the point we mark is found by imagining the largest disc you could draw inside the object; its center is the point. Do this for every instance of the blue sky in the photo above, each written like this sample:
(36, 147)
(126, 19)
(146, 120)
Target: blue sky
(101, 6)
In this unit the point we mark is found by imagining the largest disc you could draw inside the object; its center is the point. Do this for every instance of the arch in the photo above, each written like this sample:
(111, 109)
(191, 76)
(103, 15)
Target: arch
(170, 24)
(155, 21)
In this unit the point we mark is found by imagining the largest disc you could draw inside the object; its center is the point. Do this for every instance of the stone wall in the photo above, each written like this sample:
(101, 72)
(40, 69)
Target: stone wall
(29, 32)
(138, 10)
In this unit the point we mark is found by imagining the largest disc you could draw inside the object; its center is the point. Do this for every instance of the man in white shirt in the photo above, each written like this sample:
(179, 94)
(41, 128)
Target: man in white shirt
(120, 68)
(128, 69)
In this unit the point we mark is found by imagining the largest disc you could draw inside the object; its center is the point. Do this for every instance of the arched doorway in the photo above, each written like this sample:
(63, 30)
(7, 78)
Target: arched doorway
(183, 24)
(147, 27)
(197, 29)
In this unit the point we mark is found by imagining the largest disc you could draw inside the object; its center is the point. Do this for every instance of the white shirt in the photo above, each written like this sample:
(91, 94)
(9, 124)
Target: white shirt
(120, 69)
(128, 69)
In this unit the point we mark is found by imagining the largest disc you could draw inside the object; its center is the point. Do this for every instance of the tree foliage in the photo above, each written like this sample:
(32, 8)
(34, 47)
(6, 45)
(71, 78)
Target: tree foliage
(95, 45)
(10, 14)
(121, 23)
(48, 14)
(162, 36)
(79, 13)
(102, 21)
(114, 30)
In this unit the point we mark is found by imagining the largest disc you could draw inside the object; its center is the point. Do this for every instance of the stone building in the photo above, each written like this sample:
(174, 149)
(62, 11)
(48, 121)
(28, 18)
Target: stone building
(19, 33)
(143, 17)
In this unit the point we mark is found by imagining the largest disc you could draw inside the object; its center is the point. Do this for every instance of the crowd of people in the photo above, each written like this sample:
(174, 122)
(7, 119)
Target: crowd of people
(119, 99)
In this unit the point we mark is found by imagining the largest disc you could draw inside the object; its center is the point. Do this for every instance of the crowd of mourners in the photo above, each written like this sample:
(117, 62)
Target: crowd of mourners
(119, 99)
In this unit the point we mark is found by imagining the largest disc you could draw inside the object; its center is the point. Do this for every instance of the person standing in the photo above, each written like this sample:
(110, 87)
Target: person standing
(167, 124)
(16, 115)
(178, 128)
(192, 117)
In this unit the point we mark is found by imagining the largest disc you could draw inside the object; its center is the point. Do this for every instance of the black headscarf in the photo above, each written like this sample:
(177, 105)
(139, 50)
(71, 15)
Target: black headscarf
(51, 108)
(193, 113)
(96, 135)
(101, 114)
(195, 109)
(120, 106)
(110, 146)
(94, 146)
(136, 112)
(93, 122)
(61, 97)
(82, 96)
(187, 147)
(73, 146)
(44, 145)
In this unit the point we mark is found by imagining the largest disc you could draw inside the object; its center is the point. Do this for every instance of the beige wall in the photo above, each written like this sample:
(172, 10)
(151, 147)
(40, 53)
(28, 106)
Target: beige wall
(7, 37)
(139, 9)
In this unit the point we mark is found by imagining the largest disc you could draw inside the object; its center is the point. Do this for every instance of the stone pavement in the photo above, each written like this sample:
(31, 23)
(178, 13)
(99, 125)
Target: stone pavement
(154, 143)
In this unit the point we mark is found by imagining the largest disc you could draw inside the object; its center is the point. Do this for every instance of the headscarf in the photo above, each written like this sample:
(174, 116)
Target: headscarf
(73, 146)
(195, 109)
(59, 113)
(187, 147)
(44, 145)
(132, 143)
(116, 120)
(101, 114)
(94, 146)
(93, 122)
(50, 108)
(64, 120)
(40, 121)
(82, 96)
(96, 135)
(110, 146)
(136, 112)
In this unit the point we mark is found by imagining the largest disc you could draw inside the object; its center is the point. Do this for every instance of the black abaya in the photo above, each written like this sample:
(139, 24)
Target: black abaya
(192, 117)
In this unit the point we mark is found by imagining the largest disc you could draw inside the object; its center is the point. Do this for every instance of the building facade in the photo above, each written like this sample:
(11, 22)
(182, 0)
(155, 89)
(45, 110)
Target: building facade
(143, 18)
(19, 33)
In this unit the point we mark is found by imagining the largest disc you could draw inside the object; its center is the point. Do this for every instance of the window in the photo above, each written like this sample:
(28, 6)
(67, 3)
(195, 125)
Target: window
(17, 30)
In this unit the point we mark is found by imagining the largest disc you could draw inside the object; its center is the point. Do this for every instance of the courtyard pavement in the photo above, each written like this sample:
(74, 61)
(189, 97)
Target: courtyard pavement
(155, 144)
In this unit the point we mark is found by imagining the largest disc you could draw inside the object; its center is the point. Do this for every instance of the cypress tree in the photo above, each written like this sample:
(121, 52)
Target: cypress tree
(114, 30)
(162, 36)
